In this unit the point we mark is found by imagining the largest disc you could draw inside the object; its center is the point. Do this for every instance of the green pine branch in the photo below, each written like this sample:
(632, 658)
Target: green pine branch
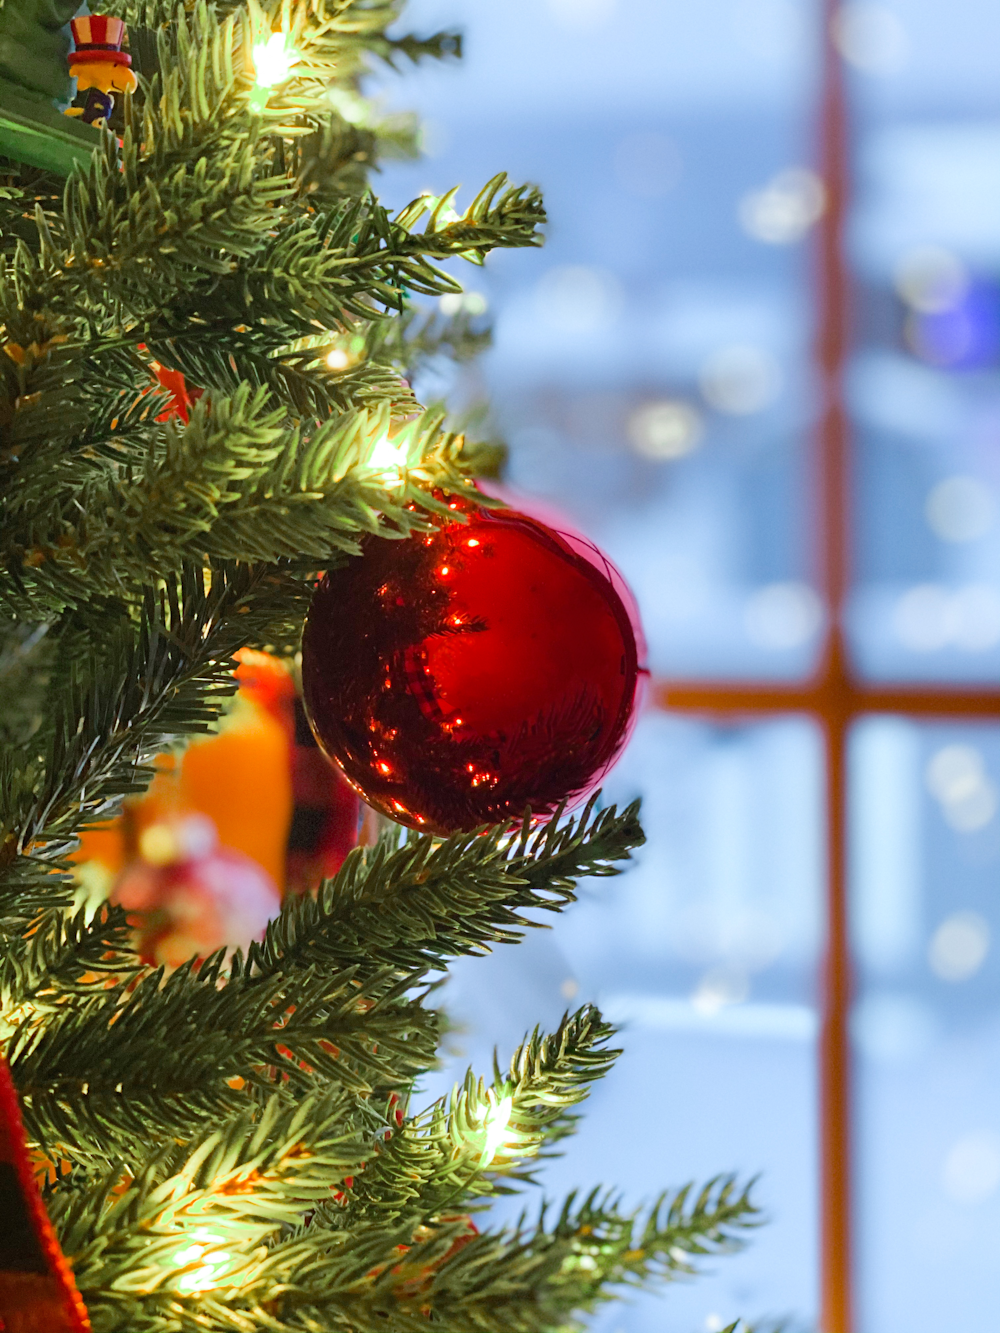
(135, 685)
(329, 986)
(249, 1183)
(65, 954)
(533, 1281)
(469, 1144)
(235, 1188)
(156, 1058)
(233, 484)
(444, 45)
(414, 907)
(26, 659)
(294, 372)
(233, 1203)
(417, 338)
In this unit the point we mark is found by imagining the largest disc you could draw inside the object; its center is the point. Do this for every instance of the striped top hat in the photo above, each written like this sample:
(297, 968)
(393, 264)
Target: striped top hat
(98, 41)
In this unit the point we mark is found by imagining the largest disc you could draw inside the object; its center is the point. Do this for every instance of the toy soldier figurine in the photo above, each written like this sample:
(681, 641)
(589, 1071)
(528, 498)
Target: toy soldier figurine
(100, 66)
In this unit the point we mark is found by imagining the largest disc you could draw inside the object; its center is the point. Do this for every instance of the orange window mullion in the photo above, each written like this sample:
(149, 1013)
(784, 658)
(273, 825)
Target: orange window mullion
(833, 698)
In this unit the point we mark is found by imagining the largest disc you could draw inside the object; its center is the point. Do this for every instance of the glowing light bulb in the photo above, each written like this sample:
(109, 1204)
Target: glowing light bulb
(273, 60)
(386, 456)
(209, 1271)
(495, 1123)
(337, 359)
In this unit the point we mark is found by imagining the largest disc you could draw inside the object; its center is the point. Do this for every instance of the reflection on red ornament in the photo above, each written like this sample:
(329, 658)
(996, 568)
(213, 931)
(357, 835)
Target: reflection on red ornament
(463, 674)
(325, 818)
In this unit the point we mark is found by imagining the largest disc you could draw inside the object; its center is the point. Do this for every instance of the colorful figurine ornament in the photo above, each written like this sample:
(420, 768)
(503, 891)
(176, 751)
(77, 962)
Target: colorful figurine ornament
(35, 85)
(37, 1290)
(100, 66)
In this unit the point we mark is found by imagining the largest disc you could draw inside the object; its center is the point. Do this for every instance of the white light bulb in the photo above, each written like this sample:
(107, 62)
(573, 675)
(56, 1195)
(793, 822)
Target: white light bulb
(273, 60)
(495, 1123)
(209, 1271)
(386, 455)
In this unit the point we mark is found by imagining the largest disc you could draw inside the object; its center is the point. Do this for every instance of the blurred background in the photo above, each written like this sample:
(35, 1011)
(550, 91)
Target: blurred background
(652, 375)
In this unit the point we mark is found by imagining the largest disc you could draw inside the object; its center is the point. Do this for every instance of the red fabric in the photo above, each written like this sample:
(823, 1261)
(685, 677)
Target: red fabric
(31, 1301)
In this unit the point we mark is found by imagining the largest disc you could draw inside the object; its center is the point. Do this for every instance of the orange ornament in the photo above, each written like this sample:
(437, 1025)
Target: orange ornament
(272, 803)
(239, 777)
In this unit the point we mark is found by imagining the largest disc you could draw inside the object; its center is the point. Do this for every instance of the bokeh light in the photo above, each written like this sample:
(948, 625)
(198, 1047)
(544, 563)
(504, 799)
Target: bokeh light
(963, 336)
(782, 615)
(472, 303)
(931, 279)
(740, 379)
(930, 616)
(871, 38)
(785, 209)
(577, 299)
(720, 986)
(583, 15)
(959, 946)
(957, 777)
(970, 1173)
(665, 429)
(960, 509)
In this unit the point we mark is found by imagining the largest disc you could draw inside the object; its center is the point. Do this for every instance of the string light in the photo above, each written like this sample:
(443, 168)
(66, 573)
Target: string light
(387, 457)
(209, 1271)
(495, 1123)
(272, 63)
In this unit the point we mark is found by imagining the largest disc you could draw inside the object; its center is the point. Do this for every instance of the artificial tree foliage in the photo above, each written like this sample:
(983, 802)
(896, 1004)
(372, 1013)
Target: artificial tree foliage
(240, 1145)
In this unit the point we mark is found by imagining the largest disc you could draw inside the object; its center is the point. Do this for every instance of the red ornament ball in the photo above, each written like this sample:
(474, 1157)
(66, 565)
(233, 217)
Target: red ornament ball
(462, 674)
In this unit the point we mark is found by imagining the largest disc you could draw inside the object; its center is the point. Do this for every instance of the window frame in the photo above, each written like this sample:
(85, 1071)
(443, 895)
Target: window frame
(833, 697)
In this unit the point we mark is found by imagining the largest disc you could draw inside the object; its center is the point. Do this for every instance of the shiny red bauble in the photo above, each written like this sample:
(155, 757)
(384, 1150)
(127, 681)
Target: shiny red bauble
(463, 674)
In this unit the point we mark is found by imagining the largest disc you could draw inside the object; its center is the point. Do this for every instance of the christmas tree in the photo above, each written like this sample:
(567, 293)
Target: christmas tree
(210, 329)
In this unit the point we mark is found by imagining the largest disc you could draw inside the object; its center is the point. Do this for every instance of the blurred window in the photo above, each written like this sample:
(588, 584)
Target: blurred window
(759, 362)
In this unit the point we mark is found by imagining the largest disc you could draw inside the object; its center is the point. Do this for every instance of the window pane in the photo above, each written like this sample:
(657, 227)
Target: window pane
(651, 362)
(925, 383)
(927, 1025)
(705, 952)
(651, 374)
